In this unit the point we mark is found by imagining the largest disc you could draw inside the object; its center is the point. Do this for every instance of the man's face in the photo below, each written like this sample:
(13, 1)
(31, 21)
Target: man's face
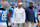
(19, 6)
(35, 7)
(31, 5)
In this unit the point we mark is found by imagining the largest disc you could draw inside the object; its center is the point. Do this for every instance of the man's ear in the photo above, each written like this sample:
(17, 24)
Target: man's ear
(10, 11)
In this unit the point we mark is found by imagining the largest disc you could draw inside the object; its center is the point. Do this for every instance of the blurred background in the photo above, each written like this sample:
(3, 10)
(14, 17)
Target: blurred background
(35, 1)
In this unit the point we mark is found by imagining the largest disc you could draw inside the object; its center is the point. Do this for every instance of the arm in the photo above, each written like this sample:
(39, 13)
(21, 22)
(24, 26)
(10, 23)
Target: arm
(37, 15)
(24, 16)
(26, 12)
(14, 16)
(9, 15)
(37, 19)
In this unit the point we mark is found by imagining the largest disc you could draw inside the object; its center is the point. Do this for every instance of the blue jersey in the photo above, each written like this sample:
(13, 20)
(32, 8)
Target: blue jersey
(11, 16)
(3, 16)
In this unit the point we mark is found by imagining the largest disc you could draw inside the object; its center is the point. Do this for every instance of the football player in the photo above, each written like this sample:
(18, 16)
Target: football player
(3, 17)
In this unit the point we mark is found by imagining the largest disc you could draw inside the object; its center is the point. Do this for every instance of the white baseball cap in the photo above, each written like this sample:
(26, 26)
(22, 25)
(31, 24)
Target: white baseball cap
(20, 3)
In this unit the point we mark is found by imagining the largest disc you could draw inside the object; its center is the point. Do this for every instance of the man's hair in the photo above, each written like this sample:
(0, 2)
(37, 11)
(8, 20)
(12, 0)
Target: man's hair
(30, 3)
(2, 9)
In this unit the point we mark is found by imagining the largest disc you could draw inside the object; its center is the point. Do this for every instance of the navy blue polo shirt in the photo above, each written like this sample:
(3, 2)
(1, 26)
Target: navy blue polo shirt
(30, 15)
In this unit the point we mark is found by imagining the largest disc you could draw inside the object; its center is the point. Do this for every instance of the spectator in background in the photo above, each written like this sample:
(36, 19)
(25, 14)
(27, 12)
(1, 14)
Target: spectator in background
(30, 15)
(16, 5)
(2, 1)
(24, 4)
(27, 4)
(19, 1)
(0, 5)
(19, 16)
(12, 5)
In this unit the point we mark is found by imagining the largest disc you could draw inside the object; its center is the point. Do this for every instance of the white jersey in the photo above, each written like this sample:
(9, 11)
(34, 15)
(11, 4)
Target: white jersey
(19, 15)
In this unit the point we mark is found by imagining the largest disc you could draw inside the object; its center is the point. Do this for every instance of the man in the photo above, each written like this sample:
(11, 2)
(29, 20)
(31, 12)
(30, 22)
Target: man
(19, 16)
(12, 4)
(5, 4)
(11, 11)
(10, 20)
(39, 17)
(24, 4)
(35, 11)
(3, 17)
(30, 15)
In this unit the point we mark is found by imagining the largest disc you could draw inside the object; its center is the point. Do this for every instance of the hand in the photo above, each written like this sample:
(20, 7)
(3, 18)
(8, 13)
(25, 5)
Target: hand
(9, 23)
(38, 25)
(13, 23)
(34, 21)
(23, 24)
(26, 21)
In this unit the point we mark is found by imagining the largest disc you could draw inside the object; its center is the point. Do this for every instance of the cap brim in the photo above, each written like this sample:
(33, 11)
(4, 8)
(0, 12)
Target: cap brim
(20, 3)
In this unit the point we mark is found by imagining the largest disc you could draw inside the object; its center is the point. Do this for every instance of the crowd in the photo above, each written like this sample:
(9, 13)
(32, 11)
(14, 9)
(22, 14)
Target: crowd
(19, 14)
